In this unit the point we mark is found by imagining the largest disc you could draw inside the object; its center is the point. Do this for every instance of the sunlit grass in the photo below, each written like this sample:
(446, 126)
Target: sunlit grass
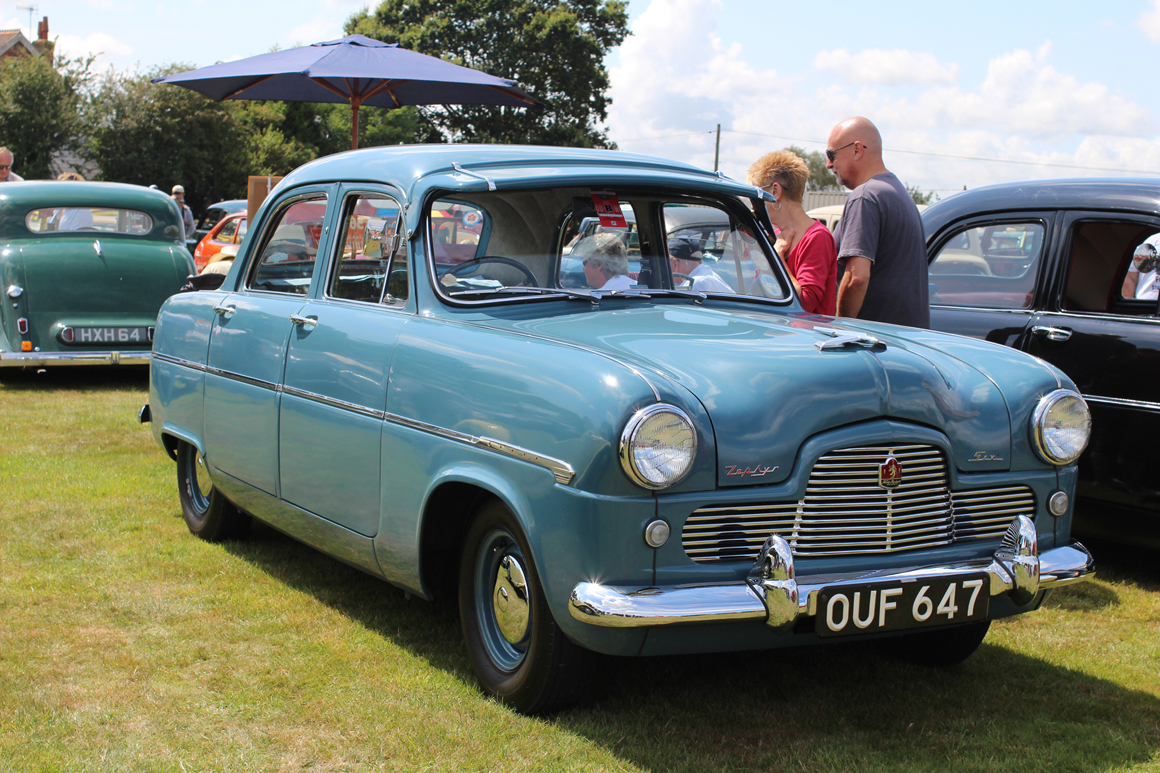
(128, 645)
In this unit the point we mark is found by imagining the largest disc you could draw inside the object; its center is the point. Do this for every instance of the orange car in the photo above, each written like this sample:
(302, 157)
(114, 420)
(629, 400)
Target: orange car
(229, 230)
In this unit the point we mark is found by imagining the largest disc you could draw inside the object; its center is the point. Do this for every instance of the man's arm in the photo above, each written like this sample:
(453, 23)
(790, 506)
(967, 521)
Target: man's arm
(852, 290)
(1129, 288)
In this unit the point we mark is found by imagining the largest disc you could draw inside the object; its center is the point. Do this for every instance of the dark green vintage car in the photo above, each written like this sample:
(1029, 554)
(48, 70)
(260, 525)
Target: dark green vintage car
(85, 268)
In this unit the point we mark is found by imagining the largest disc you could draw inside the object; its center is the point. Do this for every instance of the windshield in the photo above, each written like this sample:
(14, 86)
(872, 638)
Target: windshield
(502, 244)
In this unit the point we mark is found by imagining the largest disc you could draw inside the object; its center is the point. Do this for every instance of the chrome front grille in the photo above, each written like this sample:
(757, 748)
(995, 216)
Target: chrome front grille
(845, 511)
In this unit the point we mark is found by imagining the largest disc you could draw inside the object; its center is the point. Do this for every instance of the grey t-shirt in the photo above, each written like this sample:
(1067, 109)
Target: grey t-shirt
(881, 223)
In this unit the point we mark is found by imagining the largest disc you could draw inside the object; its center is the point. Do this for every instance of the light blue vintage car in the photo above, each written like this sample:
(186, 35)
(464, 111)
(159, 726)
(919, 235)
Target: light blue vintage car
(393, 373)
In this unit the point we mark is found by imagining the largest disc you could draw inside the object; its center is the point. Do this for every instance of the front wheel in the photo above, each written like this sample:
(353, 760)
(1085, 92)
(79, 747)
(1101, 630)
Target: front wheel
(941, 647)
(519, 653)
(207, 512)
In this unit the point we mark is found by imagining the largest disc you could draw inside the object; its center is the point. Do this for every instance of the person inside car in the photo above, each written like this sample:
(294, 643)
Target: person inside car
(685, 257)
(605, 262)
(1142, 281)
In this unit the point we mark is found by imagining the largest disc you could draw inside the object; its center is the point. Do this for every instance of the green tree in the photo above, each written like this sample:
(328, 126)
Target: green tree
(554, 49)
(151, 134)
(919, 197)
(40, 109)
(821, 178)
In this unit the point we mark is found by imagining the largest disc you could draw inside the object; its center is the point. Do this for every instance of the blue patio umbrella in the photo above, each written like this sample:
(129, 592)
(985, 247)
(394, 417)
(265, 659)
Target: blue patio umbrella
(356, 69)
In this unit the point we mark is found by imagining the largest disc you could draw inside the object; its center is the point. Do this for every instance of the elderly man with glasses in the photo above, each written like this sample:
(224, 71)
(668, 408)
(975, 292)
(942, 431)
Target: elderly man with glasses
(1142, 282)
(882, 273)
(6, 173)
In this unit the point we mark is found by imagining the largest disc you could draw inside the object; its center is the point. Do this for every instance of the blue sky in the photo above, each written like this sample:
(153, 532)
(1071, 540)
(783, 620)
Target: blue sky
(959, 91)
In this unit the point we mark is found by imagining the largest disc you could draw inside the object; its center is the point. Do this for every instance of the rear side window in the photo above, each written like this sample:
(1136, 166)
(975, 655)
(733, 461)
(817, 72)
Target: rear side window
(366, 269)
(285, 263)
(99, 219)
(992, 266)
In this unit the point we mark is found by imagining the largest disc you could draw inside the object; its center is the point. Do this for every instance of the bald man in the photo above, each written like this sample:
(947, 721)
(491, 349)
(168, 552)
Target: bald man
(881, 247)
(6, 173)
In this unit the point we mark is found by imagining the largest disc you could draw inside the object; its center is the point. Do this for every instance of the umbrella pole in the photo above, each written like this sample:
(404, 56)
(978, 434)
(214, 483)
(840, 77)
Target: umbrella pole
(353, 125)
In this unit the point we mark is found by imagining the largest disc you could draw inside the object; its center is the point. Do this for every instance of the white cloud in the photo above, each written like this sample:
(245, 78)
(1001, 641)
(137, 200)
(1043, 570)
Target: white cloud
(893, 68)
(1149, 21)
(98, 44)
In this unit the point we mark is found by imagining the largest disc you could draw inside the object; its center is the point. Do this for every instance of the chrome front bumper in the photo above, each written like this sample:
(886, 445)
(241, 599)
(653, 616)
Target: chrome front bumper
(773, 593)
(38, 359)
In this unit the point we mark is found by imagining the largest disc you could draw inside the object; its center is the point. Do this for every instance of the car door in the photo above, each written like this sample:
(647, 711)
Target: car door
(986, 273)
(1110, 346)
(338, 357)
(248, 341)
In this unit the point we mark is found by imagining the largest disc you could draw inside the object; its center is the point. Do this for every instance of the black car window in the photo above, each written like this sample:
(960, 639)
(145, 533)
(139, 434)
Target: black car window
(990, 266)
(285, 263)
(1100, 255)
(364, 267)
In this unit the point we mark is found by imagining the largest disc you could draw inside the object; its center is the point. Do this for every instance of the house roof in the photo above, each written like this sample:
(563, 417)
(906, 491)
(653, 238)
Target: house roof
(13, 39)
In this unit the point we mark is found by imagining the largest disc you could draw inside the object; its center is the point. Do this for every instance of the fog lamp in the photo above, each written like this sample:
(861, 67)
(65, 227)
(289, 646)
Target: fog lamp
(1058, 503)
(656, 533)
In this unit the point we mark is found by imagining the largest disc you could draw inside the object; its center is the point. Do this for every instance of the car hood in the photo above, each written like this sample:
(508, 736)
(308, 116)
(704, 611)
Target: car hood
(767, 387)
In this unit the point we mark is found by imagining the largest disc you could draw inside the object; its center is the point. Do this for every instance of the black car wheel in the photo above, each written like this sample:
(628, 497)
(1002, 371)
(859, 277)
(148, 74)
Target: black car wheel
(519, 653)
(207, 512)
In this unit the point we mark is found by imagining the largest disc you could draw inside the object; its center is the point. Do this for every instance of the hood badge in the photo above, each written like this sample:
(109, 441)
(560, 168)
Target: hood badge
(890, 473)
(752, 472)
(841, 340)
(983, 456)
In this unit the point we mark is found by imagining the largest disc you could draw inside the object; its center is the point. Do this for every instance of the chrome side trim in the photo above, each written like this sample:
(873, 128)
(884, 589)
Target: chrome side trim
(490, 182)
(244, 379)
(33, 359)
(1122, 402)
(563, 472)
(334, 402)
(767, 598)
(179, 361)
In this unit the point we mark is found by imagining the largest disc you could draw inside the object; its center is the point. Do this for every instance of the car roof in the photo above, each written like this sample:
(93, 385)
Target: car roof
(1116, 193)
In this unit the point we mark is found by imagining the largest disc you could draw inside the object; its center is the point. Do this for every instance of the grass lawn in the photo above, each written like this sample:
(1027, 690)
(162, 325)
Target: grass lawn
(128, 645)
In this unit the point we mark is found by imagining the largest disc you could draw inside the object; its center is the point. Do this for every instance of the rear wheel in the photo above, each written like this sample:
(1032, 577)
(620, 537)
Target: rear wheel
(207, 512)
(941, 647)
(519, 653)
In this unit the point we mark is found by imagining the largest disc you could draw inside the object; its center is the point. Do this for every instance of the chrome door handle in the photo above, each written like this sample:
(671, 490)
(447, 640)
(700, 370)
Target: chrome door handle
(1052, 333)
(226, 310)
(304, 322)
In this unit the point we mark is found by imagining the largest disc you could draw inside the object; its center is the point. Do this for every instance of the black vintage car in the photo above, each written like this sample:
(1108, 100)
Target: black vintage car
(1041, 267)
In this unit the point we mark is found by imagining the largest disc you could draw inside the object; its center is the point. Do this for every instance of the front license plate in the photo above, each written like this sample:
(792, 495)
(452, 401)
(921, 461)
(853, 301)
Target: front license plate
(108, 335)
(921, 603)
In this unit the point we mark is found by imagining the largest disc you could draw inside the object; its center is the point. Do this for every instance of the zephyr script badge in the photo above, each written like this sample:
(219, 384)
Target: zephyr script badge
(890, 473)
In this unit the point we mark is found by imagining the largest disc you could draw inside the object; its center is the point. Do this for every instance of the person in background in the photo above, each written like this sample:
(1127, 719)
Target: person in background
(72, 218)
(882, 273)
(685, 257)
(1142, 281)
(806, 245)
(186, 212)
(605, 262)
(6, 173)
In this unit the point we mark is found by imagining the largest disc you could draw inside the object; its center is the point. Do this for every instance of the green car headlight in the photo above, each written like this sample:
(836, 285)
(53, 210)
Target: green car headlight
(1061, 426)
(658, 446)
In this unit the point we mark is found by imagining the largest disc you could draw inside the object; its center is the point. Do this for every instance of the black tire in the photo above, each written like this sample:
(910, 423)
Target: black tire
(207, 512)
(942, 647)
(542, 670)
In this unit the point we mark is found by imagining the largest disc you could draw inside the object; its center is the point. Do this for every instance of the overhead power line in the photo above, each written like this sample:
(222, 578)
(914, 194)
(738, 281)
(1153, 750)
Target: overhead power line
(918, 153)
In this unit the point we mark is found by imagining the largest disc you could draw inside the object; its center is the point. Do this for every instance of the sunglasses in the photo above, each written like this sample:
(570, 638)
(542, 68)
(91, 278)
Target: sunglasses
(5, 166)
(831, 153)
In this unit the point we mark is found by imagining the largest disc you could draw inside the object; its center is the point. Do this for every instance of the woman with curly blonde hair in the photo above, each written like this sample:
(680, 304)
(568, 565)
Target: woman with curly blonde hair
(806, 246)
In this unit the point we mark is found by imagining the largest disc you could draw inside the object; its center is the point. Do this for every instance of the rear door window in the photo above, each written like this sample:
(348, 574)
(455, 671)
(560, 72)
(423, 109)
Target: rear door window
(992, 266)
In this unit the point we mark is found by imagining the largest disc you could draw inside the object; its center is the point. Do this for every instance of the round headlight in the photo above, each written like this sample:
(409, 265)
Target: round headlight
(658, 446)
(1061, 426)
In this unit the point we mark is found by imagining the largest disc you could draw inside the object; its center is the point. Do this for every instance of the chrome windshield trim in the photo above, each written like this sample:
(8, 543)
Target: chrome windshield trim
(179, 361)
(1123, 402)
(334, 402)
(562, 471)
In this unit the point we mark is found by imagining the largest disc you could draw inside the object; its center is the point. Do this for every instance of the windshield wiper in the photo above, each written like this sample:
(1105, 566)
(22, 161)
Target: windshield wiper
(697, 297)
(584, 295)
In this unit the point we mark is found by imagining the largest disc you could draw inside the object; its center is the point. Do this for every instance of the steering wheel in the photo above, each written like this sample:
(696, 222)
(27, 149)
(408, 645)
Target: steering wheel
(683, 278)
(467, 266)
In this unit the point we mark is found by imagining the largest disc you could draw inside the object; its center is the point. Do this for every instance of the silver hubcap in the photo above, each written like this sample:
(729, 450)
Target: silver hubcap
(510, 600)
(201, 476)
